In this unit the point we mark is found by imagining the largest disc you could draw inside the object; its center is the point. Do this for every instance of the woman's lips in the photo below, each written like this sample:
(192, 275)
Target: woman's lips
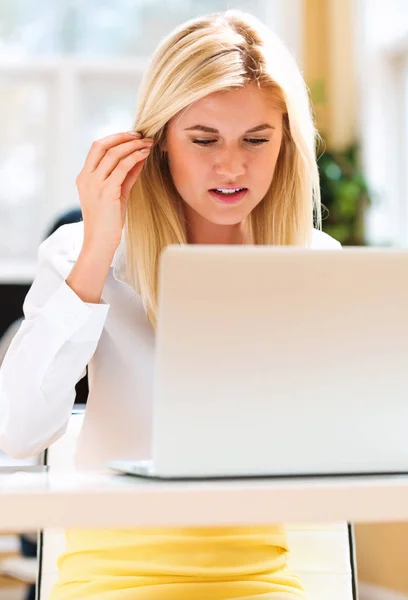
(233, 198)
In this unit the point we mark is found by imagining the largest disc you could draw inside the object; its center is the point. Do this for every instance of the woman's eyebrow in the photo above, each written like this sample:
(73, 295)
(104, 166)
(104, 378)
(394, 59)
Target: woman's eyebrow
(212, 130)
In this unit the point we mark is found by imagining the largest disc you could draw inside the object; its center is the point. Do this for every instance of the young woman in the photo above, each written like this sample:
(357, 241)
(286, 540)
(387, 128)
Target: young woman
(223, 152)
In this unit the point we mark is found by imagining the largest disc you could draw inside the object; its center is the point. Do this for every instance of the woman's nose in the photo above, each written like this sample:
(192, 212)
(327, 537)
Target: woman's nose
(230, 164)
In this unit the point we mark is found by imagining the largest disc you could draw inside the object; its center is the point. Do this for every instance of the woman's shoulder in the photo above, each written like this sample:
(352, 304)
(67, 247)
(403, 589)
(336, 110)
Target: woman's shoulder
(323, 240)
(60, 250)
(63, 247)
(66, 240)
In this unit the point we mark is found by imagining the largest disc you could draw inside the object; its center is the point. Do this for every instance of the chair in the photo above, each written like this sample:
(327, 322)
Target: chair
(51, 542)
(322, 554)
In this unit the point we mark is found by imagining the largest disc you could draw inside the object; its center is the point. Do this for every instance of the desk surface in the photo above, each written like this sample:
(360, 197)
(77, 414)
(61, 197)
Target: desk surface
(31, 500)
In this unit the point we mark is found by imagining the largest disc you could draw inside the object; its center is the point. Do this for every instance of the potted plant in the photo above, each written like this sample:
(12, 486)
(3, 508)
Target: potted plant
(345, 195)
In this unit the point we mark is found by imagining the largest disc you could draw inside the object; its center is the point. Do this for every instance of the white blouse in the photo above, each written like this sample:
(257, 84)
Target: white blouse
(59, 336)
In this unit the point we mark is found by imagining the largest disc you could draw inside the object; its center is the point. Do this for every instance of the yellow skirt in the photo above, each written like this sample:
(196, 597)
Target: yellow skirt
(176, 564)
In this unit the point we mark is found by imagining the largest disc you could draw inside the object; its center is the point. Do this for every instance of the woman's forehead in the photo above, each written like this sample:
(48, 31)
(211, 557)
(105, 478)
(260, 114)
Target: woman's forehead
(238, 108)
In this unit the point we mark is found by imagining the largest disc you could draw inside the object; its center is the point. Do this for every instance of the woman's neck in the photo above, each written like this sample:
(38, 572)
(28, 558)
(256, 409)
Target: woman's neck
(200, 231)
(225, 235)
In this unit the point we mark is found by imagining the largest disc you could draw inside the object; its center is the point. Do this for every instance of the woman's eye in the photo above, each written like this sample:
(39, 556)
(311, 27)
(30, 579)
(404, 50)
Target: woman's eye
(257, 141)
(203, 142)
(253, 141)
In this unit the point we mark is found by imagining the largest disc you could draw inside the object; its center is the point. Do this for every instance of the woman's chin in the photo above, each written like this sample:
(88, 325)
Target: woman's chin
(222, 215)
(226, 220)
(226, 215)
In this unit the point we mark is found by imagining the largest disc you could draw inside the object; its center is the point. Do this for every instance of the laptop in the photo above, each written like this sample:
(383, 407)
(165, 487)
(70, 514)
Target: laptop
(279, 362)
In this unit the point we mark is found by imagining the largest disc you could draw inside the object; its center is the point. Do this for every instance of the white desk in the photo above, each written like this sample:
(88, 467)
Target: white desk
(34, 500)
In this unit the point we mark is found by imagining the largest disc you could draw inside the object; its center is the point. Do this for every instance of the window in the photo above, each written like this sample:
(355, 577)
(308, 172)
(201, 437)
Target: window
(383, 100)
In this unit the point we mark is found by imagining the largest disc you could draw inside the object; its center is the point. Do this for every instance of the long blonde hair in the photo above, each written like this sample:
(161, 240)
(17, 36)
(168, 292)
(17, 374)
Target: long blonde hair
(216, 52)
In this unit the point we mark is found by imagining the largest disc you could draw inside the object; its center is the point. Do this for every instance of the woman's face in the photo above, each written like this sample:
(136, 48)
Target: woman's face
(227, 140)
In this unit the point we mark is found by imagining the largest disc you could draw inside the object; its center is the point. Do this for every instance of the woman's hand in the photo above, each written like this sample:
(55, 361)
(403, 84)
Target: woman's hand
(111, 168)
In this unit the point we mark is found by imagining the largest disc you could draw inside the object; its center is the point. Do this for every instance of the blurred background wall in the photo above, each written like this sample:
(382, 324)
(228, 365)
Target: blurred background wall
(69, 73)
(329, 52)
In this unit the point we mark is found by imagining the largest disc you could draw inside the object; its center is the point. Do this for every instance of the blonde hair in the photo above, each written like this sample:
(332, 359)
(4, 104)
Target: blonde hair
(216, 52)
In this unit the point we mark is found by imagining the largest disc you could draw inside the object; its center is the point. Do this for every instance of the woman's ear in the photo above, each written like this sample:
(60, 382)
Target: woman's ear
(162, 141)
(163, 144)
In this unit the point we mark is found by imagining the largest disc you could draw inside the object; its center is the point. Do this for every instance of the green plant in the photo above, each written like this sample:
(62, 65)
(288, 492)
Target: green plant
(345, 195)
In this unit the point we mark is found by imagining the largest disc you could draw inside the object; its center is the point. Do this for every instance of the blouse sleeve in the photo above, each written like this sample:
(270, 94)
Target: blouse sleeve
(48, 354)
